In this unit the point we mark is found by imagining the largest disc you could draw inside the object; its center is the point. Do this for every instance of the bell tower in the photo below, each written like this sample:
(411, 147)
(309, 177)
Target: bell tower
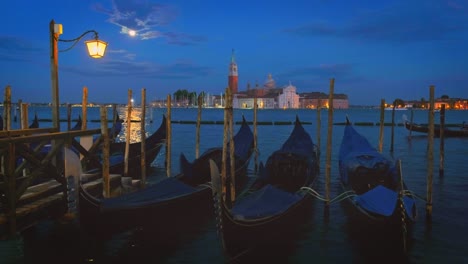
(233, 76)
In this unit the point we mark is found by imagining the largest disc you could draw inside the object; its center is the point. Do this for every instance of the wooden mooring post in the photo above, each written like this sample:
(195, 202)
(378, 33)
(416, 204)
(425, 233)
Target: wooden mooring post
(255, 107)
(430, 154)
(382, 120)
(392, 135)
(224, 154)
(69, 117)
(168, 136)
(24, 116)
(197, 132)
(7, 109)
(114, 120)
(105, 153)
(442, 141)
(232, 157)
(128, 131)
(143, 137)
(319, 127)
(329, 143)
(84, 109)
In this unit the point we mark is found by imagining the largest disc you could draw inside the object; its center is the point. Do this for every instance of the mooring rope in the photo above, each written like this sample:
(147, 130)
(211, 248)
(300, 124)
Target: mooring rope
(410, 193)
(339, 198)
(208, 184)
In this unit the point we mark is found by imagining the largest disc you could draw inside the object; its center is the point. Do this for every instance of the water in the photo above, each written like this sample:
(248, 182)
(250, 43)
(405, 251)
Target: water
(323, 240)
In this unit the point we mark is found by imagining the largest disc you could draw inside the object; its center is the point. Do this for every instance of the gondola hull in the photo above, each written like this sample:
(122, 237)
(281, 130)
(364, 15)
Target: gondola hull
(243, 237)
(158, 216)
(153, 146)
(462, 132)
(373, 183)
(277, 204)
(168, 203)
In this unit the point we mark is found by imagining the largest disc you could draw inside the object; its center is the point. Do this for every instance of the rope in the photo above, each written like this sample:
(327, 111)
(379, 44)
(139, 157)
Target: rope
(339, 198)
(208, 184)
(342, 196)
(402, 205)
(410, 193)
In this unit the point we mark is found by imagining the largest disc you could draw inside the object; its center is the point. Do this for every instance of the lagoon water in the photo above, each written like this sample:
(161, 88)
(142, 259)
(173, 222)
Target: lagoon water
(324, 239)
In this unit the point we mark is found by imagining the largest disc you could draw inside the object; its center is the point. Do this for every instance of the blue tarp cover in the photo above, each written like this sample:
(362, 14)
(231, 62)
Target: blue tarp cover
(379, 200)
(267, 201)
(356, 151)
(163, 190)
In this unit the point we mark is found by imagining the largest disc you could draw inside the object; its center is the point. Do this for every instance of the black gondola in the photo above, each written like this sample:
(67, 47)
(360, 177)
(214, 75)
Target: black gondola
(168, 202)
(78, 124)
(461, 132)
(373, 181)
(152, 143)
(35, 122)
(275, 203)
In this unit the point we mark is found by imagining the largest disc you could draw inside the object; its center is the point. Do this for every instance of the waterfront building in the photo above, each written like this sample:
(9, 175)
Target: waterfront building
(314, 100)
(450, 103)
(270, 96)
(288, 98)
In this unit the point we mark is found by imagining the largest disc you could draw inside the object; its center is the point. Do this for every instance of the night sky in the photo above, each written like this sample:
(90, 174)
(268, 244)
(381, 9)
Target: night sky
(374, 49)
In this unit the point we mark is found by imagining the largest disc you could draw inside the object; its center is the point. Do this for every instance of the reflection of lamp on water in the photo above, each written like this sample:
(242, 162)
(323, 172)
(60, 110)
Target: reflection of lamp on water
(96, 49)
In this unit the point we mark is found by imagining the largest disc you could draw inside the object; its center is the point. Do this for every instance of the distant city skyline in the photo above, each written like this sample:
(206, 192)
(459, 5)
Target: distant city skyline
(374, 49)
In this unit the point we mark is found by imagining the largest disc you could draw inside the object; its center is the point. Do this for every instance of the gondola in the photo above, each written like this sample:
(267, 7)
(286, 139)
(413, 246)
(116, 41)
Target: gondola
(461, 132)
(152, 143)
(35, 122)
(275, 203)
(78, 124)
(373, 183)
(115, 129)
(172, 201)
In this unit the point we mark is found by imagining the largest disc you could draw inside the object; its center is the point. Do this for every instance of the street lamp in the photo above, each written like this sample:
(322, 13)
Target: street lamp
(96, 49)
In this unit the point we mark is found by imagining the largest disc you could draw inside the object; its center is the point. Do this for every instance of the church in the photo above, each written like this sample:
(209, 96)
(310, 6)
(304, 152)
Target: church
(268, 95)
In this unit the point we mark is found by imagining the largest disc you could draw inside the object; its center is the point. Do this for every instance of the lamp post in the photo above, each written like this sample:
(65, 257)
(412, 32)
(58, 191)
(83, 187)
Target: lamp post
(96, 49)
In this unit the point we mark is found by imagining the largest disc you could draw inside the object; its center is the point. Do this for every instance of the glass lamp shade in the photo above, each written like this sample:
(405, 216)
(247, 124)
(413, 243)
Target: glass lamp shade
(96, 48)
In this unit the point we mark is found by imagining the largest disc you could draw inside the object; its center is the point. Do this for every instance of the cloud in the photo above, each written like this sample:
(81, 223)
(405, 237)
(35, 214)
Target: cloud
(17, 49)
(147, 20)
(402, 23)
(121, 68)
(322, 71)
(123, 53)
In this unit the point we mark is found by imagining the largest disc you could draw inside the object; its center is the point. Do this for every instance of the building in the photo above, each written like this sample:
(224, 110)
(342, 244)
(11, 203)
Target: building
(288, 98)
(316, 100)
(233, 78)
(270, 96)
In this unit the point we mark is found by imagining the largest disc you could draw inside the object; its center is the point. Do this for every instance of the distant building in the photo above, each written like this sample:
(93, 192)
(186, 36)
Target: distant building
(271, 96)
(316, 100)
(268, 96)
(288, 98)
(450, 103)
(233, 78)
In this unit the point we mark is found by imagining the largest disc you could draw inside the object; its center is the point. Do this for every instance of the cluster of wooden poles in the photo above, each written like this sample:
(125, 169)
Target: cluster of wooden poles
(229, 135)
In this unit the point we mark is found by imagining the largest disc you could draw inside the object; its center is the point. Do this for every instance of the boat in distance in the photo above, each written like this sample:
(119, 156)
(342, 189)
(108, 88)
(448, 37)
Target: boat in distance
(447, 132)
